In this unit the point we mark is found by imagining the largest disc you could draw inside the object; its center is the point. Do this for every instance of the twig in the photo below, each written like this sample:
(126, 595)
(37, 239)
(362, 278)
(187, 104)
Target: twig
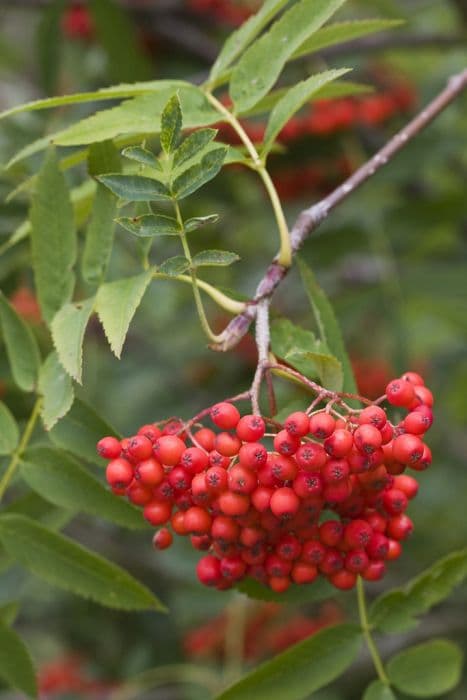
(309, 219)
(262, 343)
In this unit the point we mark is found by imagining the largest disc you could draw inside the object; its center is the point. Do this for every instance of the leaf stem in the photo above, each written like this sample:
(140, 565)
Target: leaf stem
(285, 253)
(17, 454)
(235, 639)
(196, 293)
(372, 648)
(224, 301)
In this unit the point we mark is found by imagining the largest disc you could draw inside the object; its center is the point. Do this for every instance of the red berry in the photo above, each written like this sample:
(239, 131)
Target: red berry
(218, 460)
(332, 562)
(139, 494)
(149, 472)
(194, 460)
(251, 428)
(279, 584)
(400, 527)
(253, 455)
(162, 539)
(140, 447)
(335, 470)
(339, 443)
(302, 572)
(277, 566)
(288, 547)
(356, 561)
(297, 424)
(285, 443)
(197, 521)
(400, 392)
(311, 456)
(180, 479)
(395, 550)
(374, 571)
(227, 444)
(394, 501)
(109, 447)
(284, 502)
(233, 568)
(423, 396)
(407, 449)
(344, 580)
(234, 503)
(157, 512)
(308, 484)
(357, 534)
(242, 480)
(119, 473)
(407, 484)
(282, 467)
(150, 431)
(205, 438)
(417, 422)
(178, 523)
(367, 438)
(322, 425)
(225, 415)
(224, 529)
(208, 570)
(330, 532)
(373, 415)
(261, 498)
(169, 449)
(414, 378)
(216, 479)
(378, 546)
(313, 552)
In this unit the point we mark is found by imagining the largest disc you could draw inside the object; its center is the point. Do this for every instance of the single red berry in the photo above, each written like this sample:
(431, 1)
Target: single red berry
(233, 568)
(414, 378)
(208, 570)
(400, 527)
(288, 547)
(387, 433)
(423, 396)
(169, 449)
(178, 523)
(322, 425)
(174, 427)
(407, 449)
(157, 512)
(197, 521)
(194, 459)
(378, 546)
(303, 572)
(251, 428)
(234, 504)
(151, 431)
(180, 479)
(339, 443)
(216, 479)
(417, 422)
(225, 415)
(140, 447)
(217, 460)
(205, 438)
(201, 493)
(261, 498)
(400, 392)
(337, 492)
(335, 470)
(343, 580)
(424, 462)
(308, 484)
(367, 438)
(407, 484)
(201, 543)
(279, 584)
(297, 424)
(227, 444)
(394, 501)
(356, 561)
(149, 472)
(224, 529)
(253, 455)
(282, 467)
(311, 456)
(139, 494)
(119, 473)
(284, 502)
(332, 562)
(374, 571)
(252, 536)
(377, 522)
(242, 480)
(373, 415)
(330, 532)
(357, 534)
(277, 566)
(162, 539)
(313, 552)
(285, 443)
(109, 447)
(394, 551)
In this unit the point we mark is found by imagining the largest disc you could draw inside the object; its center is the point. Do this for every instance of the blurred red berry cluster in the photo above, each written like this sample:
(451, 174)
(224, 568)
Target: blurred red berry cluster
(77, 22)
(69, 674)
(269, 630)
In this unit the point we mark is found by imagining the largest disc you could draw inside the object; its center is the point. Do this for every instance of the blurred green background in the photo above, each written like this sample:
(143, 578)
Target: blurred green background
(393, 259)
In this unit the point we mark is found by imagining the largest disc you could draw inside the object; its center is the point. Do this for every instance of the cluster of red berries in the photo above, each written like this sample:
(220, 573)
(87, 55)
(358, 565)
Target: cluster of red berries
(324, 494)
(326, 117)
(321, 176)
(69, 674)
(226, 11)
(77, 22)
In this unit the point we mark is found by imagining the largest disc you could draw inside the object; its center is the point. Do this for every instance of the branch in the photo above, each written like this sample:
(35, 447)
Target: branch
(309, 219)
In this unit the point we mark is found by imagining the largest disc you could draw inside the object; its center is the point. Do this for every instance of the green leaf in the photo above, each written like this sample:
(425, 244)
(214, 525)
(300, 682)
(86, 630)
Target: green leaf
(244, 35)
(126, 60)
(327, 324)
(341, 32)
(149, 225)
(302, 669)
(56, 388)
(16, 667)
(9, 612)
(427, 670)
(318, 590)
(200, 221)
(9, 433)
(68, 329)
(261, 64)
(79, 432)
(21, 347)
(135, 188)
(214, 258)
(142, 156)
(53, 238)
(61, 480)
(328, 367)
(116, 304)
(398, 610)
(66, 564)
(171, 124)
(199, 174)
(174, 266)
(293, 100)
(378, 691)
(193, 144)
(102, 158)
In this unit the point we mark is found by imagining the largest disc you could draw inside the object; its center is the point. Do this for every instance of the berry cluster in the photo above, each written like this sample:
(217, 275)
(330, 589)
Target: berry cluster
(324, 494)
(326, 117)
